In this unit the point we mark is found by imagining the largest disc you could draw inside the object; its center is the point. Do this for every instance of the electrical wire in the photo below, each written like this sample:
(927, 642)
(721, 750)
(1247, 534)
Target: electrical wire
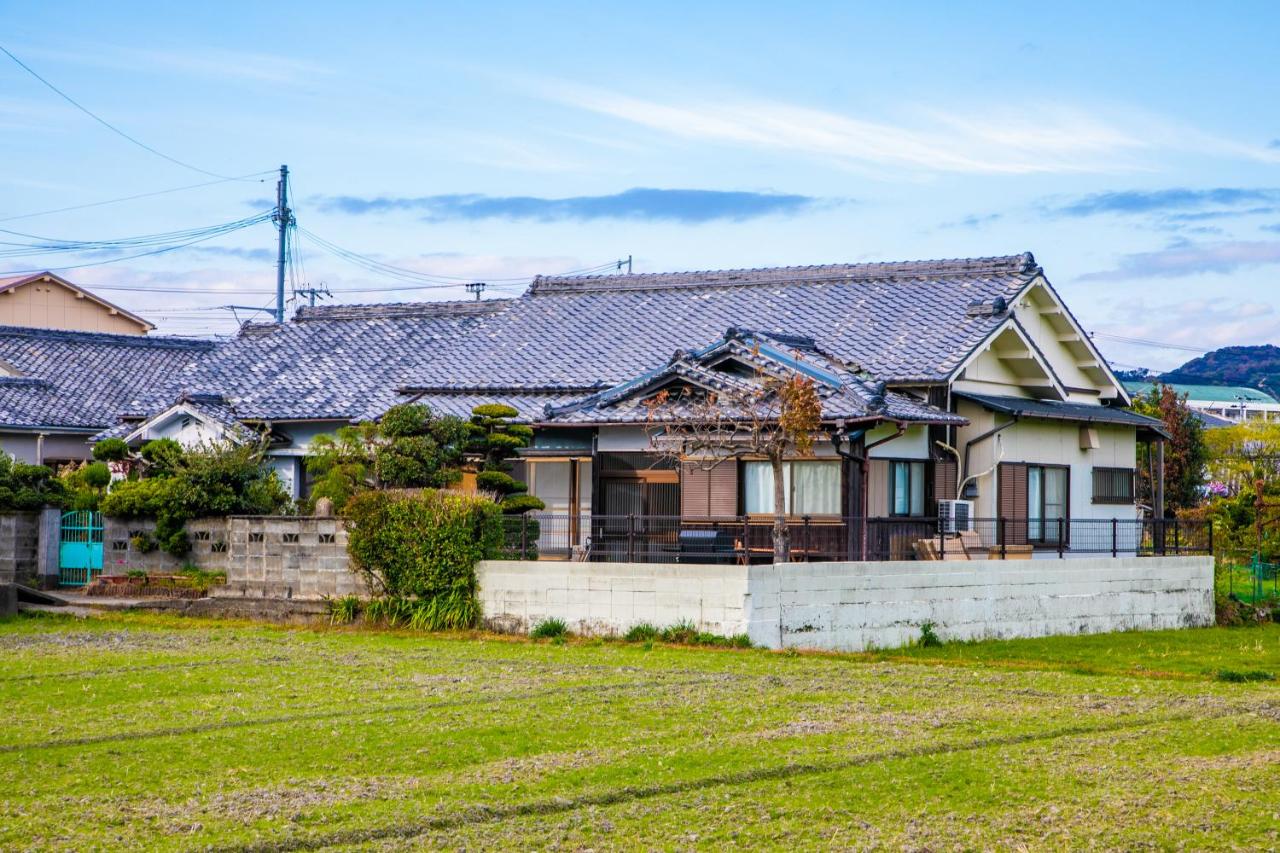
(410, 275)
(133, 197)
(1146, 343)
(52, 245)
(206, 234)
(108, 125)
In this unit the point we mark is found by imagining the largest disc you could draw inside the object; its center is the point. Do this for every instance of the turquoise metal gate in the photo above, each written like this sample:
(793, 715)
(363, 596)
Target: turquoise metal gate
(80, 548)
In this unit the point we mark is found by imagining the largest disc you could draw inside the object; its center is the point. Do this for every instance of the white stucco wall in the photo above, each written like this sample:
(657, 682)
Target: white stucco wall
(609, 598)
(1048, 443)
(853, 606)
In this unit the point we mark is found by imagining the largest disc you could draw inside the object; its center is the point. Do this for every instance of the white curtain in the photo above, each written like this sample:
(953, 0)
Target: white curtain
(1035, 496)
(757, 487)
(817, 488)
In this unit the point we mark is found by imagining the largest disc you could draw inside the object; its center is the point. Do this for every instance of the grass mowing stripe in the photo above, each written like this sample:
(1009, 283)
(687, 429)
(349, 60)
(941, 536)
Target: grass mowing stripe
(156, 667)
(400, 708)
(631, 793)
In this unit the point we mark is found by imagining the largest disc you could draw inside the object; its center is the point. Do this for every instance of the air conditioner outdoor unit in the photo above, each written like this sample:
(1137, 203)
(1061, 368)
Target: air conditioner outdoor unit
(955, 516)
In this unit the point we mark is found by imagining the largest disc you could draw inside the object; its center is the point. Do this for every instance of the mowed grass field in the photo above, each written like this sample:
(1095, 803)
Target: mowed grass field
(146, 732)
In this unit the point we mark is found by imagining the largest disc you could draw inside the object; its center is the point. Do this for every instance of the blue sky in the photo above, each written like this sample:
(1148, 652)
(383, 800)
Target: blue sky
(1134, 148)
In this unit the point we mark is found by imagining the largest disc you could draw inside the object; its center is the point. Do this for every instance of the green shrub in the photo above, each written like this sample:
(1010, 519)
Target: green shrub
(136, 574)
(1240, 677)
(111, 450)
(928, 636)
(163, 456)
(28, 487)
(640, 633)
(516, 504)
(143, 543)
(685, 633)
(549, 629)
(424, 546)
(343, 610)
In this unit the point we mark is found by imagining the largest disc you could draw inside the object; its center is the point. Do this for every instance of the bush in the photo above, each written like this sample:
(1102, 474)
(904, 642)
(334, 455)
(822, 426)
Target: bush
(343, 610)
(685, 633)
(28, 487)
(424, 546)
(1238, 677)
(641, 633)
(549, 629)
(928, 637)
(111, 450)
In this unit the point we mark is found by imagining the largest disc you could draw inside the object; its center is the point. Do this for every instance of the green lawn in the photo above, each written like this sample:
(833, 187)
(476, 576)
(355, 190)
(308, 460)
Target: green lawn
(136, 731)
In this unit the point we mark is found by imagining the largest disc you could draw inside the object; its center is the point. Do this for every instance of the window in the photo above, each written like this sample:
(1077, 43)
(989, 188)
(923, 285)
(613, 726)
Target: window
(809, 488)
(906, 488)
(1046, 501)
(1113, 486)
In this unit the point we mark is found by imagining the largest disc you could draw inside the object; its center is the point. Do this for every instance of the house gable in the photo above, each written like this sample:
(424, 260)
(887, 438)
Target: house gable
(1041, 352)
(48, 301)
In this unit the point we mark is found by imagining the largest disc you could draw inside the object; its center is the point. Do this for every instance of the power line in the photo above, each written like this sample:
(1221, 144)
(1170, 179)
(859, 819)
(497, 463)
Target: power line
(215, 232)
(108, 125)
(1142, 342)
(130, 197)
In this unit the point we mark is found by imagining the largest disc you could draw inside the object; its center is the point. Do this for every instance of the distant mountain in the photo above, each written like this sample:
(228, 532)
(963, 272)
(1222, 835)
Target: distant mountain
(1255, 367)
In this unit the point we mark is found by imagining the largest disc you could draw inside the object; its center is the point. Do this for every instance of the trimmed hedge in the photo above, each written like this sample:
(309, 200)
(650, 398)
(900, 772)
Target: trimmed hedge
(424, 545)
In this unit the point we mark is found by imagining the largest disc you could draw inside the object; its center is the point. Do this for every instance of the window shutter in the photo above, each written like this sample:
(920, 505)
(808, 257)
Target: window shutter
(944, 479)
(709, 493)
(1013, 501)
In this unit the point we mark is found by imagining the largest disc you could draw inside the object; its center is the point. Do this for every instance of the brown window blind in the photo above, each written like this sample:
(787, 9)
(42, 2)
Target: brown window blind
(709, 492)
(1013, 501)
(944, 479)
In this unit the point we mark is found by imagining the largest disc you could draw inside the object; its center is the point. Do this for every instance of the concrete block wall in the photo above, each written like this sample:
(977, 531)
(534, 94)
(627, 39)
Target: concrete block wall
(209, 546)
(609, 598)
(856, 606)
(19, 547)
(290, 557)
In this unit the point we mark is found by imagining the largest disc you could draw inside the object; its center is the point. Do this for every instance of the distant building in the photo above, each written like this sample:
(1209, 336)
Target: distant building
(1218, 403)
(48, 301)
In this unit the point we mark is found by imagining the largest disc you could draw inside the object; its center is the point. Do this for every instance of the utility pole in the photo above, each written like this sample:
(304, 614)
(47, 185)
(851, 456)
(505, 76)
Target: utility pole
(284, 221)
(476, 287)
(313, 292)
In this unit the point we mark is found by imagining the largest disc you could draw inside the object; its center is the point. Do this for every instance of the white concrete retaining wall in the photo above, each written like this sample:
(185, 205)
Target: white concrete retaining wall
(856, 606)
(609, 598)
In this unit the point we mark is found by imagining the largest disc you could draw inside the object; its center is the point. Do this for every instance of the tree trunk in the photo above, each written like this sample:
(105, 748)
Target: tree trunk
(781, 535)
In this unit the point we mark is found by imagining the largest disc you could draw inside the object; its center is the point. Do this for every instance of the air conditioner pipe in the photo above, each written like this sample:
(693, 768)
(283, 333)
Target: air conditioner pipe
(968, 446)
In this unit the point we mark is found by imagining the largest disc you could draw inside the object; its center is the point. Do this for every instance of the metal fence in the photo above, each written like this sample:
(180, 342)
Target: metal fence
(747, 539)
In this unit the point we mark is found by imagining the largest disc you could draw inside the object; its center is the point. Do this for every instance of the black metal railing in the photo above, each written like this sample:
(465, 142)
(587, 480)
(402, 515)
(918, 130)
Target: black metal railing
(749, 539)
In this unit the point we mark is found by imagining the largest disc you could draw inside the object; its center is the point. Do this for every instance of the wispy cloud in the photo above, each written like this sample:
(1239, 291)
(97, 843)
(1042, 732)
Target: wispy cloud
(1186, 258)
(1274, 226)
(1128, 202)
(1205, 324)
(686, 206)
(194, 60)
(1023, 141)
(975, 220)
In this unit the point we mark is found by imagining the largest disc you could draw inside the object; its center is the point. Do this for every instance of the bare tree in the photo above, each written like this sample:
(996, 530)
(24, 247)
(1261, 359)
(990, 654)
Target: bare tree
(774, 417)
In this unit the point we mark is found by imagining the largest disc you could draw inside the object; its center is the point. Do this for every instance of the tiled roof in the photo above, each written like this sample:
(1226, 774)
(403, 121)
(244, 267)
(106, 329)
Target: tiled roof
(1056, 410)
(903, 322)
(735, 366)
(348, 367)
(899, 322)
(86, 379)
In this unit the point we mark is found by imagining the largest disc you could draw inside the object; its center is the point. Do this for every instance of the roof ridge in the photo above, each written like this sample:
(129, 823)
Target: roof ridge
(373, 310)
(141, 341)
(1023, 264)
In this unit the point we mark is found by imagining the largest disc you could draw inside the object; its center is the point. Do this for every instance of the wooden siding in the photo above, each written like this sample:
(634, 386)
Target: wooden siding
(709, 492)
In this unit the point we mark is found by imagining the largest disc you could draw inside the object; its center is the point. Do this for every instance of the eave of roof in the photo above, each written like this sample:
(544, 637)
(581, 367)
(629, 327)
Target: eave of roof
(1055, 410)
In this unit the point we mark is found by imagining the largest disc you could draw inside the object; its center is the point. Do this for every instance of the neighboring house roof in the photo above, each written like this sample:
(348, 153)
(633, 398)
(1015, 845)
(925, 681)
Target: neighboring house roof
(1056, 410)
(331, 363)
(735, 367)
(14, 282)
(86, 380)
(1206, 393)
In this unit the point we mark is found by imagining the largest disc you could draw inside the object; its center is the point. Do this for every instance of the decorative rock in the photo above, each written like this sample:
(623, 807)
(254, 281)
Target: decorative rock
(324, 508)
